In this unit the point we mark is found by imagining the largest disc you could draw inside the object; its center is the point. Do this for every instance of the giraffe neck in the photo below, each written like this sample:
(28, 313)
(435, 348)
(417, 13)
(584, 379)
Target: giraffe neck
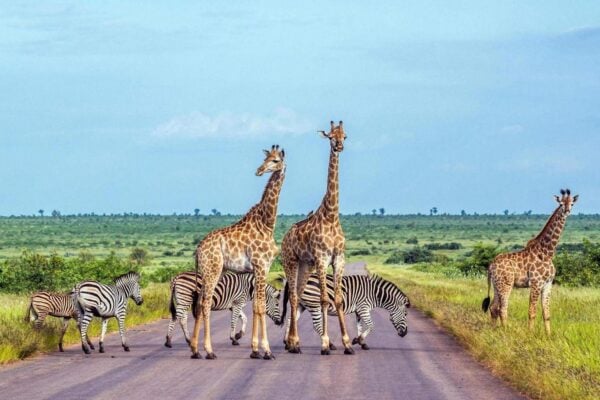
(268, 203)
(330, 206)
(550, 234)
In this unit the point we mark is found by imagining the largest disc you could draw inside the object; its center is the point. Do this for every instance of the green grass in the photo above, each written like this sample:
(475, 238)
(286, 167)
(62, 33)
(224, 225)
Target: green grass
(19, 340)
(565, 365)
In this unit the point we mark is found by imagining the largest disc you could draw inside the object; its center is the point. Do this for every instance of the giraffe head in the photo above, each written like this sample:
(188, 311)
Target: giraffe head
(274, 160)
(336, 136)
(566, 201)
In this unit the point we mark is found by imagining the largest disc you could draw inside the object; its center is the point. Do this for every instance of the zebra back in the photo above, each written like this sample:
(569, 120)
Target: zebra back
(54, 304)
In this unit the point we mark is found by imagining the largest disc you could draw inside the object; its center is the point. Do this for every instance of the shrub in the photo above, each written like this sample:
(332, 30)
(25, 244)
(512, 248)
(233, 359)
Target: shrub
(360, 252)
(415, 255)
(443, 246)
(479, 259)
(412, 240)
(579, 269)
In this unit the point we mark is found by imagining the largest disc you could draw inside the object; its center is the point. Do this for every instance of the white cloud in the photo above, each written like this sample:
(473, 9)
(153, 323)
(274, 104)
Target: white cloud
(228, 125)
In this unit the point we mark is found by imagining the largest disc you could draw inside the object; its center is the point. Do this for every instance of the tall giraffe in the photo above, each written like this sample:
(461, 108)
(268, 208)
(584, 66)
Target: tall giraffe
(316, 243)
(245, 246)
(531, 267)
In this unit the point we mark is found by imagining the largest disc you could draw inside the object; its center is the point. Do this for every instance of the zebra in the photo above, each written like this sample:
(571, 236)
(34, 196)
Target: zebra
(60, 305)
(232, 292)
(361, 294)
(94, 299)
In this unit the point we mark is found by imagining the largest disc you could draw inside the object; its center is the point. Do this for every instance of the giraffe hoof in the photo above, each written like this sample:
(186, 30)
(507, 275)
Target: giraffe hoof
(238, 335)
(355, 340)
(101, 350)
(332, 346)
(235, 342)
(196, 356)
(295, 350)
(126, 348)
(269, 356)
(348, 350)
(325, 352)
(365, 346)
(60, 348)
(211, 356)
(254, 355)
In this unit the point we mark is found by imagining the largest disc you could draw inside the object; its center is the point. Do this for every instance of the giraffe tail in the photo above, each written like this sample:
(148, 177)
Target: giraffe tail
(286, 297)
(485, 305)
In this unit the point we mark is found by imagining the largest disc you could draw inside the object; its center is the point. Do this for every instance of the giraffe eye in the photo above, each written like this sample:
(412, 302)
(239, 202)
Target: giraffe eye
(276, 161)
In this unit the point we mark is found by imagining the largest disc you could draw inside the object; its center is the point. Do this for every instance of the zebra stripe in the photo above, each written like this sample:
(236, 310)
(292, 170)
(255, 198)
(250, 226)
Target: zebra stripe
(104, 301)
(60, 305)
(360, 294)
(232, 292)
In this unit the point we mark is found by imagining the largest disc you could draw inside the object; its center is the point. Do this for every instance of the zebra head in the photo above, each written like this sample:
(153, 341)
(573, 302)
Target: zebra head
(393, 300)
(130, 284)
(273, 311)
(398, 318)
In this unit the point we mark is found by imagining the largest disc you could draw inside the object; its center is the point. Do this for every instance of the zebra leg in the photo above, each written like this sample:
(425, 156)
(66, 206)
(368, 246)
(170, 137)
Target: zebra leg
(121, 321)
(338, 272)
(367, 322)
(358, 328)
(39, 321)
(235, 314)
(184, 325)
(65, 325)
(170, 331)
(102, 334)
(244, 325)
(84, 324)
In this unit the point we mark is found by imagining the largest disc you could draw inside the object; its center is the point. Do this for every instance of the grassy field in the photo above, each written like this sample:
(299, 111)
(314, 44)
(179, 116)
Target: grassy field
(564, 366)
(567, 365)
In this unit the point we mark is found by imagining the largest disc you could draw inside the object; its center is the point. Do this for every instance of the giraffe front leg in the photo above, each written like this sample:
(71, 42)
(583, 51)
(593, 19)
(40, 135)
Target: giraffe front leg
(534, 295)
(324, 297)
(259, 315)
(546, 289)
(338, 272)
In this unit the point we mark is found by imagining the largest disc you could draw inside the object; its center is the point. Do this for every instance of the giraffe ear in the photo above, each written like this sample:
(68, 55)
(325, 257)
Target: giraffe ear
(282, 153)
(575, 198)
(557, 198)
(325, 135)
(267, 152)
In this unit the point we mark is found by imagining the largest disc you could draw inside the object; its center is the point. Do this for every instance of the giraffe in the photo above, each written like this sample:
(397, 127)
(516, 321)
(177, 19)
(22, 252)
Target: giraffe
(246, 246)
(531, 267)
(316, 243)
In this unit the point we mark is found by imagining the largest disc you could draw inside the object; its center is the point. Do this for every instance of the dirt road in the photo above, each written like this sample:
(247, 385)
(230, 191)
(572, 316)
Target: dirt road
(426, 364)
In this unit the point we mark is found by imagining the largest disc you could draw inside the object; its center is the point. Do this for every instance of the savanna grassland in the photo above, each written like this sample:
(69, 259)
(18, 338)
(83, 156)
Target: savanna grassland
(438, 260)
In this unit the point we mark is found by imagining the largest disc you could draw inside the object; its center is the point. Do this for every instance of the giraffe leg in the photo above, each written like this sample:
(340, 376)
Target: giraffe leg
(322, 272)
(338, 272)
(207, 295)
(546, 289)
(495, 306)
(534, 295)
(504, 291)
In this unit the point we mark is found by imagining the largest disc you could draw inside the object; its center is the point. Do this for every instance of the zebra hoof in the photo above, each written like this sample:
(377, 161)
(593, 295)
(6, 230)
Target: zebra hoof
(168, 344)
(348, 350)
(238, 335)
(269, 356)
(325, 352)
(126, 348)
(235, 342)
(86, 351)
(255, 355)
(92, 346)
(60, 348)
(196, 356)
(332, 346)
(365, 346)
(355, 340)
(102, 350)
(188, 341)
(211, 356)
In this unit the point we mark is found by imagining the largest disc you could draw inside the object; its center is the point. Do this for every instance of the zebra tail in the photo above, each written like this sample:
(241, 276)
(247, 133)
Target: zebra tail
(172, 303)
(195, 296)
(485, 305)
(28, 313)
(286, 297)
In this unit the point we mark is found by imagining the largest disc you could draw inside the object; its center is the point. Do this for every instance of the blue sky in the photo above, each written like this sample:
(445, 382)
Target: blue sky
(123, 106)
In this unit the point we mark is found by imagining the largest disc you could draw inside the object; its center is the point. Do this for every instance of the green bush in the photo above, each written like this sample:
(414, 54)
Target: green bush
(412, 240)
(443, 246)
(415, 255)
(579, 269)
(478, 260)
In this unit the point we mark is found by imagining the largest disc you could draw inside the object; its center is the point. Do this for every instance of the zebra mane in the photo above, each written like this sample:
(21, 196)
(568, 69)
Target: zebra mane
(131, 275)
(379, 281)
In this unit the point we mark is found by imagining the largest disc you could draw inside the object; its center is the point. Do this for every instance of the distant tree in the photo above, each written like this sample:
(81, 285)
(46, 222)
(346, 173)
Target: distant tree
(382, 211)
(357, 214)
(463, 213)
(139, 256)
(528, 212)
(505, 212)
(433, 211)
(196, 212)
(55, 213)
(374, 211)
(215, 212)
(41, 212)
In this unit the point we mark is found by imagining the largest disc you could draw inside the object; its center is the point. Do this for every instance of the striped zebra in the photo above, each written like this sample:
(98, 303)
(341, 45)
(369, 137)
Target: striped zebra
(232, 292)
(361, 294)
(94, 299)
(58, 305)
